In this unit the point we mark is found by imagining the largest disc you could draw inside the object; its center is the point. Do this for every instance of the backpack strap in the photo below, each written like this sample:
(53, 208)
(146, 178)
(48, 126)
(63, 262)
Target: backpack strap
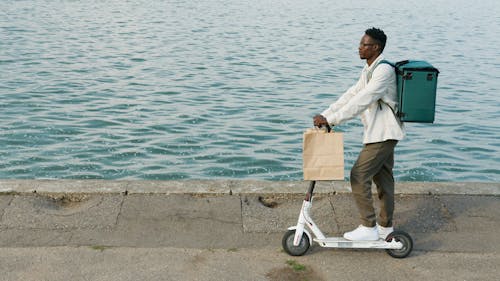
(388, 62)
(380, 101)
(395, 65)
(369, 75)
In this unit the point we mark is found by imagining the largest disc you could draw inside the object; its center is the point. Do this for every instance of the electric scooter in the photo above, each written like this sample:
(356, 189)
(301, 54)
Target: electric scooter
(297, 239)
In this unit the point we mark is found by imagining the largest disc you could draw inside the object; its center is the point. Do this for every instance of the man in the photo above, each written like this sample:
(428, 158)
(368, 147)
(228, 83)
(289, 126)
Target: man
(373, 97)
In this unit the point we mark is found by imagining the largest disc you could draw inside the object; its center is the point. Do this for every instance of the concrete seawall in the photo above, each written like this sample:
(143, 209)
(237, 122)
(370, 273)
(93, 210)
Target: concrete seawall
(227, 187)
(233, 209)
(186, 216)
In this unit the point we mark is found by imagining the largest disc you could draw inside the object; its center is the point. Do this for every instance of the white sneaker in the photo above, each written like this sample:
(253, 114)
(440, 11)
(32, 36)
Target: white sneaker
(362, 233)
(384, 231)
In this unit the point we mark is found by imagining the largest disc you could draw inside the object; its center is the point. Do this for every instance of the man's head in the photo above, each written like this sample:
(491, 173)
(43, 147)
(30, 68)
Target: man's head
(372, 44)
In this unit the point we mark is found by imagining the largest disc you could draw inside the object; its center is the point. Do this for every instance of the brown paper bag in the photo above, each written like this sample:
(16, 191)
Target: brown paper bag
(323, 155)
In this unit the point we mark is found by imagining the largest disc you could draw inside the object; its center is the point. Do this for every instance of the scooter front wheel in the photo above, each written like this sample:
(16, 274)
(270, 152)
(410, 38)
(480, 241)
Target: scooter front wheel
(405, 239)
(292, 250)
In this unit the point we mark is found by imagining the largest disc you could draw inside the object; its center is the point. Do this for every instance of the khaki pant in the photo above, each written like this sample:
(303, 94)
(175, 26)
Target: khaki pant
(375, 162)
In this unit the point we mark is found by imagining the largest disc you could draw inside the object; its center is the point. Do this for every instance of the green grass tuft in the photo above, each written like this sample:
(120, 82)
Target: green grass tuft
(99, 247)
(295, 265)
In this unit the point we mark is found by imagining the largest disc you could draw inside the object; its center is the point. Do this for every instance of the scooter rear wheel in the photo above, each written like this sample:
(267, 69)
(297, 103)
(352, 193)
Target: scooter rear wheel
(292, 250)
(405, 239)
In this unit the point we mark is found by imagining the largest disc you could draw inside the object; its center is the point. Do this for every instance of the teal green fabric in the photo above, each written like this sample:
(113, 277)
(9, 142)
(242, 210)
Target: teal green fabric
(417, 85)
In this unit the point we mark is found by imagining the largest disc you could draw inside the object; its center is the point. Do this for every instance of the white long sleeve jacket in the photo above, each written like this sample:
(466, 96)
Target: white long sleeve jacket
(377, 82)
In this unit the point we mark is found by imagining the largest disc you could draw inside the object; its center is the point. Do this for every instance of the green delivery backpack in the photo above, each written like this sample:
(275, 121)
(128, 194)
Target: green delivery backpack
(416, 87)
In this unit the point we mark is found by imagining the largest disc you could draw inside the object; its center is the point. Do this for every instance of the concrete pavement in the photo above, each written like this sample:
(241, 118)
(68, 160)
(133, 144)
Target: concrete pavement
(231, 230)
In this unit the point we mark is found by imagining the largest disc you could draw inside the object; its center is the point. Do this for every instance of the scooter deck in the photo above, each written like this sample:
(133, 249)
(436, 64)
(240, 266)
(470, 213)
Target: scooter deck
(339, 242)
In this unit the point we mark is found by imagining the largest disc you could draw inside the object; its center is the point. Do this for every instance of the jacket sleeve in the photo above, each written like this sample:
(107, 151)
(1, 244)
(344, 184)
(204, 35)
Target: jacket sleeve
(342, 101)
(382, 76)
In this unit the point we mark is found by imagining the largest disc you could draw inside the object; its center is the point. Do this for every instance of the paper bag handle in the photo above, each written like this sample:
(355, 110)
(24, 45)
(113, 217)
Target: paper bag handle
(328, 128)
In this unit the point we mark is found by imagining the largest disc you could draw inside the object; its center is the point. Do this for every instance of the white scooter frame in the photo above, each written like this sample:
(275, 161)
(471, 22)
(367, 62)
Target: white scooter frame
(398, 244)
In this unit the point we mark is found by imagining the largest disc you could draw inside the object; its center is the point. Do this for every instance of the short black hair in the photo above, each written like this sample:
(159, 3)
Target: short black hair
(378, 35)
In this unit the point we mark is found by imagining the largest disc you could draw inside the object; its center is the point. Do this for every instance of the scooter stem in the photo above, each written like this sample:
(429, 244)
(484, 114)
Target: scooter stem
(310, 191)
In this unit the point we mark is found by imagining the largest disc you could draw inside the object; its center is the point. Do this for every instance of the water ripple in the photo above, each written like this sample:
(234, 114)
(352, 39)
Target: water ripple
(204, 89)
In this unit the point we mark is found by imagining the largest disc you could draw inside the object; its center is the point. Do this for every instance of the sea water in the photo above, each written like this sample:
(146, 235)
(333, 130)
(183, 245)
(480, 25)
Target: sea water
(213, 89)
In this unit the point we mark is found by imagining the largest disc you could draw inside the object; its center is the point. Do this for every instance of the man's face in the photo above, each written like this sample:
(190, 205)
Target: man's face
(368, 48)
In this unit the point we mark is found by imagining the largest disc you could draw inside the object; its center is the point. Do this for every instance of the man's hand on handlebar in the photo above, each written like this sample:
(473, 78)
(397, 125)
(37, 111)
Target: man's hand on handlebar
(320, 121)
